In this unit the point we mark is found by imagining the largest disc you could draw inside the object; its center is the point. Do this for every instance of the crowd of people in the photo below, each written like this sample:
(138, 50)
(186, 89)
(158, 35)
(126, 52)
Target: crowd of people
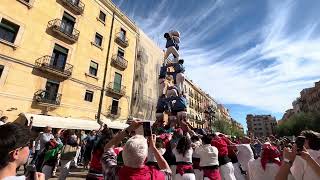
(177, 152)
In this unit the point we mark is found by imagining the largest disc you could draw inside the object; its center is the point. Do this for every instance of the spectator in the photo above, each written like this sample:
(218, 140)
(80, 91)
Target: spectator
(43, 138)
(265, 168)
(134, 154)
(300, 169)
(68, 153)
(89, 141)
(14, 151)
(96, 171)
(3, 120)
(51, 157)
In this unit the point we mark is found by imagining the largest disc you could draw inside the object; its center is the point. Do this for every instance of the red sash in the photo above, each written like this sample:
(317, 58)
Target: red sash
(212, 174)
(143, 173)
(184, 168)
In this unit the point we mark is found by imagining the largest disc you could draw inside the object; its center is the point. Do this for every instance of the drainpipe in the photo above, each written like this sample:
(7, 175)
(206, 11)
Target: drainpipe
(105, 72)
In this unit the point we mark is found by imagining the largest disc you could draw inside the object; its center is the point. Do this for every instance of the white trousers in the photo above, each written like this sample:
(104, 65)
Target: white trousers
(180, 81)
(65, 168)
(227, 172)
(187, 176)
(47, 171)
(162, 86)
(199, 174)
(237, 172)
(171, 50)
(173, 169)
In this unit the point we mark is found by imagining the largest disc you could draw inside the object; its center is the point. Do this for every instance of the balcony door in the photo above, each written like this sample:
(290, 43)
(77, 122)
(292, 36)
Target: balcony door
(75, 2)
(67, 23)
(123, 34)
(117, 82)
(114, 106)
(51, 92)
(120, 52)
(59, 57)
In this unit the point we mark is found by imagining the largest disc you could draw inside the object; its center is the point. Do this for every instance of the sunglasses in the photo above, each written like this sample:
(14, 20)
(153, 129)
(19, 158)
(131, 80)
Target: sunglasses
(20, 148)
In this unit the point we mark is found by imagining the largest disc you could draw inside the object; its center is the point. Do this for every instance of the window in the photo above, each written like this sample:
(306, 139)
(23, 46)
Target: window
(51, 93)
(93, 70)
(117, 82)
(8, 30)
(1, 70)
(67, 23)
(88, 96)
(102, 16)
(120, 52)
(114, 106)
(123, 34)
(98, 39)
(59, 57)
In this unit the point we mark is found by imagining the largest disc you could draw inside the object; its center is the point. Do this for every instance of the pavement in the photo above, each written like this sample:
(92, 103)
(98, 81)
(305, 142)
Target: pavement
(75, 173)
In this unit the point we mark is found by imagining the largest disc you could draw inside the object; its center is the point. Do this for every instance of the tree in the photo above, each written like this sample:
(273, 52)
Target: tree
(225, 127)
(299, 122)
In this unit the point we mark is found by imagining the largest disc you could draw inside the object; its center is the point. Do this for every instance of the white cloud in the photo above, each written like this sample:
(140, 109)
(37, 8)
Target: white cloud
(264, 67)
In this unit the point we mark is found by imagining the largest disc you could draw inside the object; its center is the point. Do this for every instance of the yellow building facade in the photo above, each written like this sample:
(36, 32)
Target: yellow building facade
(53, 57)
(198, 103)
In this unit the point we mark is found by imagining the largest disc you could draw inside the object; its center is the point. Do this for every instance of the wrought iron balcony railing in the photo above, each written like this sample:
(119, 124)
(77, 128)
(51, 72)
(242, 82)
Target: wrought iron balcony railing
(46, 63)
(47, 98)
(76, 5)
(119, 62)
(64, 30)
(116, 89)
(114, 112)
(122, 40)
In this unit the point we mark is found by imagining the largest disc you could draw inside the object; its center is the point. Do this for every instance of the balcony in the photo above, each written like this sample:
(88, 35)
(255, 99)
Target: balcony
(65, 31)
(75, 5)
(46, 98)
(46, 64)
(122, 40)
(116, 89)
(119, 62)
(114, 112)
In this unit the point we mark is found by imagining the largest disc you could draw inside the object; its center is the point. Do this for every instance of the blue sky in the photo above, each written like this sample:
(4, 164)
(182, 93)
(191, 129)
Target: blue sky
(253, 56)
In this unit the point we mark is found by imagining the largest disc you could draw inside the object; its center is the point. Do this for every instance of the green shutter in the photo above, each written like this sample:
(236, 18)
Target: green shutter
(60, 49)
(9, 26)
(94, 65)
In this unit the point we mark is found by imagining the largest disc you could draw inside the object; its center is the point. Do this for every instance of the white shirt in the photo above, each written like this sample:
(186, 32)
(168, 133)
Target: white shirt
(14, 178)
(1, 123)
(256, 172)
(208, 155)
(244, 155)
(301, 170)
(181, 158)
(44, 138)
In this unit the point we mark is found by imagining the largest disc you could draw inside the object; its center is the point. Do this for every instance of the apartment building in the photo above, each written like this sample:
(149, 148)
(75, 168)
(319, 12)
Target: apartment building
(56, 57)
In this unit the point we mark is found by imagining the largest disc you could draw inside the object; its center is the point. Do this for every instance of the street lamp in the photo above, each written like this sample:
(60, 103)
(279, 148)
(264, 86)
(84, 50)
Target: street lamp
(210, 112)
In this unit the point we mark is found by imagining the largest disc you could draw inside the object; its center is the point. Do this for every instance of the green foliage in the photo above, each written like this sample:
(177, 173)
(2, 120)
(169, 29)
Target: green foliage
(225, 127)
(299, 122)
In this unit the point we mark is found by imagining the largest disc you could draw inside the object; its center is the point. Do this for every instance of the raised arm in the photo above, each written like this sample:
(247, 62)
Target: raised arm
(122, 134)
(162, 163)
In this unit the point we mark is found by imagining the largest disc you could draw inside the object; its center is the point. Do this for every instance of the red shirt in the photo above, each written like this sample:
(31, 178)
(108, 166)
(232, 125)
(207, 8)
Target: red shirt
(95, 163)
(221, 145)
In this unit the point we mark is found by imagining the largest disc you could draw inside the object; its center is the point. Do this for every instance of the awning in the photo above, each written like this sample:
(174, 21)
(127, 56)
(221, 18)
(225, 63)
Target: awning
(114, 124)
(61, 122)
